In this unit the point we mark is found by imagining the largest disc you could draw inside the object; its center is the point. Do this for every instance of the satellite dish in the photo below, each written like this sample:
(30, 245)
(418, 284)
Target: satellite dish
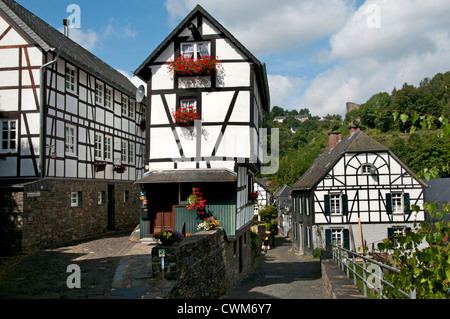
(140, 93)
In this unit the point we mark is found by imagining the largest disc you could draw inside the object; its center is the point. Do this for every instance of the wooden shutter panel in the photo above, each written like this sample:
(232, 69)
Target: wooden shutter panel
(346, 239)
(388, 203)
(344, 204)
(327, 205)
(328, 239)
(407, 203)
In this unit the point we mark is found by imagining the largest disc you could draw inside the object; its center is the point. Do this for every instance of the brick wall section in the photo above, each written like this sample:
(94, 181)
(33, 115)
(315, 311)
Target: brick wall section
(45, 217)
(205, 264)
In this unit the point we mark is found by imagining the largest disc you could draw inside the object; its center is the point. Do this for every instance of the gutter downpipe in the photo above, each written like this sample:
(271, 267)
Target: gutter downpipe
(42, 141)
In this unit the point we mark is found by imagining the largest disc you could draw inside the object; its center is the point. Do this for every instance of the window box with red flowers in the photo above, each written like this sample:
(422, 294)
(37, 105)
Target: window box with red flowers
(185, 116)
(187, 66)
(253, 197)
(99, 166)
(119, 169)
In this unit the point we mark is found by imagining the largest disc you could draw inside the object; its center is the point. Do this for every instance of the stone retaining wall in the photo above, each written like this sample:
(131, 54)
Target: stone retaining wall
(40, 213)
(205, 264)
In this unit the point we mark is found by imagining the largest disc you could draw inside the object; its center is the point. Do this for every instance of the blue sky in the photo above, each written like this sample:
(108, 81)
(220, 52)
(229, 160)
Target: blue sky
(319, 54)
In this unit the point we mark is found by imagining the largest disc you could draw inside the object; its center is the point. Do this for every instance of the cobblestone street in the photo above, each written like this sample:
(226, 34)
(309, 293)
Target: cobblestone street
(43, 274)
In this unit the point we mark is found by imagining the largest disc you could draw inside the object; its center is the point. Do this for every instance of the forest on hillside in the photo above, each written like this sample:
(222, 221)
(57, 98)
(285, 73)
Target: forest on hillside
(421, 149)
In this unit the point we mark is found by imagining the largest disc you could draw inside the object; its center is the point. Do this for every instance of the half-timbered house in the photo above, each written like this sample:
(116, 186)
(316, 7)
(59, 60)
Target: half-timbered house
(356, 190)
(219, 153)
(72, 133)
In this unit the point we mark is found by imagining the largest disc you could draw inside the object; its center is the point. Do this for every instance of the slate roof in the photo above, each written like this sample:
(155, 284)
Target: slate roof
(356, 143)
(48, 38)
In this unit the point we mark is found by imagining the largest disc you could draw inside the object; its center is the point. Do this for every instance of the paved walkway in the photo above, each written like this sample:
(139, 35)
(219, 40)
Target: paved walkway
(282, 275)
(110, 267)
(114, 267)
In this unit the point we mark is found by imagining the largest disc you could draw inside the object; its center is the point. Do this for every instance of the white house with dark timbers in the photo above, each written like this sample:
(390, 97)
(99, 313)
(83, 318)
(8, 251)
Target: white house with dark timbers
(72, 140)
(221, 153)
(356, 181)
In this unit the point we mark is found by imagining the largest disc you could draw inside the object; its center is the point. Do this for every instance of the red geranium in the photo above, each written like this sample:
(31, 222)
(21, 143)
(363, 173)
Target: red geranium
(184, 65)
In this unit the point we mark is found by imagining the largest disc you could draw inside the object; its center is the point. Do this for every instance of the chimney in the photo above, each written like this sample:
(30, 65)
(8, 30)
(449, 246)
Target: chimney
(352, 130)
(333, 139)
(66, 23)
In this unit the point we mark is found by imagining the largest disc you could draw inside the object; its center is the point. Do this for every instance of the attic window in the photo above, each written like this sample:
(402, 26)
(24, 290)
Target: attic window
(195, 50)
(368, 169)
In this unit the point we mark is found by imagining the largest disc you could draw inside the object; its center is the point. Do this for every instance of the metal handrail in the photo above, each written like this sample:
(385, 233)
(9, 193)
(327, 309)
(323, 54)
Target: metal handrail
(373, 280)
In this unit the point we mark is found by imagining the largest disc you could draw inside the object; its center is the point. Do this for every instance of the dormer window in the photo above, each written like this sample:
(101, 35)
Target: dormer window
(195, 50)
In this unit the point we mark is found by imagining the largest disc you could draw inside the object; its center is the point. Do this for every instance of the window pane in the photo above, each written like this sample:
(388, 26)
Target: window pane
(203, 50)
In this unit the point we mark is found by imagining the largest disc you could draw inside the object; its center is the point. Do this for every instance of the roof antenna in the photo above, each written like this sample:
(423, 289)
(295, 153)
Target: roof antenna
(66, 23)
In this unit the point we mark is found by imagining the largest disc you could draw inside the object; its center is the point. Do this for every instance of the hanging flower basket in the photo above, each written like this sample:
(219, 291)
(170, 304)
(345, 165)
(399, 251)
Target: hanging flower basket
(119, 169)
(185, 116)
(99, 166)
(196, 202)
(187, 66)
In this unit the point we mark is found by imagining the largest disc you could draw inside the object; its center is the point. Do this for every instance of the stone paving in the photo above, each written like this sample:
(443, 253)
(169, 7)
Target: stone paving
(280, 274)
(114, 267)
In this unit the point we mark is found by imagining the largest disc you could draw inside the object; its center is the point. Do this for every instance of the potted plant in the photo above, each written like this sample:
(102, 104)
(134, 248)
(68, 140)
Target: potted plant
(187, 66)
(99, 166)
(195, 201)
(168, 238)
(119, 169)
(185, 116)
(208, 224)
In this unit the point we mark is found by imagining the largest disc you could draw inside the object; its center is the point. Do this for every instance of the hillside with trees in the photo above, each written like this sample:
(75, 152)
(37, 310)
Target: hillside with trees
(379, 118)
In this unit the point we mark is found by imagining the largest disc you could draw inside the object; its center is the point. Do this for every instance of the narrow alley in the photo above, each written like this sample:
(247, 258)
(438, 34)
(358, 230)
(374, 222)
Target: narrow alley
(282, 275)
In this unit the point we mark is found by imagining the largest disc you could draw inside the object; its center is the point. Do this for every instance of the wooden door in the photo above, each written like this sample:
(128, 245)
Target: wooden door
(164, 220)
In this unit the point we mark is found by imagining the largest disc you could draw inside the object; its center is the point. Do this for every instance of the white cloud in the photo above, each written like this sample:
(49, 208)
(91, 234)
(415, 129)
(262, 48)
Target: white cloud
(87, 39)
(413, 42)
(134, 79)
(284, 90)
(267, 26)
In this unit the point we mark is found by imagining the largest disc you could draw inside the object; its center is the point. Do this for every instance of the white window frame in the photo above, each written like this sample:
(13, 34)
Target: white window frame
(124, 151)
(71, 79)
(107, 147)
(131, 152)
(99, 93)
(108, 97)
(70, 140)
(131, 108)
(397, 203)
(336, 204)
(337, 236)
(124, 105)
(195, 52)
(9, 135)
(74, 199)
(98, 146)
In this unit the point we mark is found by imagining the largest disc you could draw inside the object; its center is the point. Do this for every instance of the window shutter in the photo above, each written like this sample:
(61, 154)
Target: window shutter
(346, 239)
(388, 203)
(328, 239)
(327, 205)
(406, 202)
(391, 235)
(344, 204)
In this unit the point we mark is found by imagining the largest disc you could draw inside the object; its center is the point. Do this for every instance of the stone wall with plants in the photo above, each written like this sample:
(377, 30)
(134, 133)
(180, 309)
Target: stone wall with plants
(205, 264)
